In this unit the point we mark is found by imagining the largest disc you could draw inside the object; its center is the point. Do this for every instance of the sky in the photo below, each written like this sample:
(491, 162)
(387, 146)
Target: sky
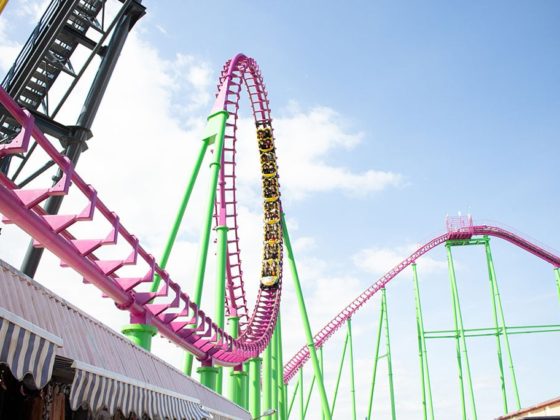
(388, 116)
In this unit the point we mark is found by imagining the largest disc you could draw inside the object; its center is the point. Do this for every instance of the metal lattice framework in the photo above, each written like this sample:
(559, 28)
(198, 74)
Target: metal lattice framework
(460, 232)
(168, 308)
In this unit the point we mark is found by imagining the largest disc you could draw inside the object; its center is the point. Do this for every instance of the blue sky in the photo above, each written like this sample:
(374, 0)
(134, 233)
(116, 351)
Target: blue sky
(390, 115)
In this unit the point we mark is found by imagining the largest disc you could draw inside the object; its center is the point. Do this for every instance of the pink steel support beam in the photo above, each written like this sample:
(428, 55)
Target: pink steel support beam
(301, 357)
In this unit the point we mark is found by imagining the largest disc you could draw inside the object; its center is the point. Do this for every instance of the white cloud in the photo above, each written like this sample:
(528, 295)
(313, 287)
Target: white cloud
(306, 141)
(378, 260)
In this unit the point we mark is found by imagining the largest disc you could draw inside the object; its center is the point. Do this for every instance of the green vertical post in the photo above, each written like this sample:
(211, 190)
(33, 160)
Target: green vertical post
(339, 374)
(237, 376)
(220, 287)
(461, 341)
(376, 359)
(422, 351)
(352, 383)
(322, 368)
(208, 376)
(388, 349)
(302, 408)
(140, 334)
(497, 304)
(267, 379)
(557, 275)
(306, 324)
(294, 395)
(308, 400)
(274, 372)
(496, 325)
(254, 365)
(181, 212)
(280, 371)
(214, 133)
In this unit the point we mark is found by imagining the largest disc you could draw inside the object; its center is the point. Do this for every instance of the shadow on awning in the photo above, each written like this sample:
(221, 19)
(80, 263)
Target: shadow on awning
(27, 350)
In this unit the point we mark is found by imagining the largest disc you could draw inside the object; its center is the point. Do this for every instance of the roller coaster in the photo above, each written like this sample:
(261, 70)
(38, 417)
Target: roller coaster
(147, 291)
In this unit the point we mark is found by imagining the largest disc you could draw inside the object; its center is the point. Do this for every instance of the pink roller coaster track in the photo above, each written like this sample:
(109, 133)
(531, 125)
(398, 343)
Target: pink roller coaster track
(169, 309)
(466, 232)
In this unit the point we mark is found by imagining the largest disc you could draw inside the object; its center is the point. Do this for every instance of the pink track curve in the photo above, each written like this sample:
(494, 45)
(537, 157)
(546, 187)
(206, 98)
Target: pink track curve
(301, 357)
(169, 309)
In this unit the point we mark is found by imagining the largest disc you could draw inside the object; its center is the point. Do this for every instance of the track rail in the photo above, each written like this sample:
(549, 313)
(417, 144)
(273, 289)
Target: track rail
(170, 309)
(302, 356)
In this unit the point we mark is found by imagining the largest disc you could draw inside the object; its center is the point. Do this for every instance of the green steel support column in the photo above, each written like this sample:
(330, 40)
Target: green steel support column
(308, 400)
(294, 395)
(208, 376)
(237, 376)
(255, 386)
(280, 371)
(322, 369)
(496, 325)
(497, 303)
(423, 353)
(388, 347)
(306, 325)
(274, 372)
(181, 212)
(214, 132)
(351, 354)
(286, 400)
(140, 334)
(219, 306)
(376, 359)
(301, 406)
(557, 274)
(267, 380)
(339, 374)
(461, 341)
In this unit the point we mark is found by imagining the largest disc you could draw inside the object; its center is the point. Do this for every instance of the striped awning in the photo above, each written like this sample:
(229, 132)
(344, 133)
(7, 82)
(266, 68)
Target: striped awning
(98, 389)
(27, 349)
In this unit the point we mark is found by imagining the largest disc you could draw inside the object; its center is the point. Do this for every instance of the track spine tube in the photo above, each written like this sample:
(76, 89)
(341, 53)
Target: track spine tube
(214, 132)
(497, 304)
(422, 350)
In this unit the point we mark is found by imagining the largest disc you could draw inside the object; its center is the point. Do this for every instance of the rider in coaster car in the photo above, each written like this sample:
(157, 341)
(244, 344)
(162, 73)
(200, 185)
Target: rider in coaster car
(271, 251)
(272, 232)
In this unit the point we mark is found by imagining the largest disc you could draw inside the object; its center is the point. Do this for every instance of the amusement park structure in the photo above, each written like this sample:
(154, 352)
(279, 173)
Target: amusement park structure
(138, 283)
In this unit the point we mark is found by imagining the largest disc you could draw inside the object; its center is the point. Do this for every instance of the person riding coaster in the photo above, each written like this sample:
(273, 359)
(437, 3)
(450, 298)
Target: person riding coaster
(271, 251)
(270, 272)
(272, 233)
(269, 169)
